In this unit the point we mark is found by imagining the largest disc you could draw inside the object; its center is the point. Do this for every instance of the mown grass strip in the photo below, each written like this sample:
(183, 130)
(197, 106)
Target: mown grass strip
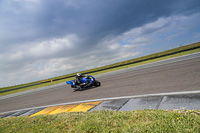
(188, 49)
(106, 121)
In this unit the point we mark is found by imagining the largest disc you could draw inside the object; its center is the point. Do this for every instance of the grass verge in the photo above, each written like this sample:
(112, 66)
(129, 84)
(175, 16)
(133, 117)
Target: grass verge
(106, 121)
(154, 56)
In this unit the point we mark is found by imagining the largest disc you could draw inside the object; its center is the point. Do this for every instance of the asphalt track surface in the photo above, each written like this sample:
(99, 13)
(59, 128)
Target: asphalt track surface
(170, 77)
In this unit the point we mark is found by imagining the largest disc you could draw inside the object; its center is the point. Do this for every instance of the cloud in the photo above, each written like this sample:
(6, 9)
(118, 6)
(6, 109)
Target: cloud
(95, 19)
(46, 38)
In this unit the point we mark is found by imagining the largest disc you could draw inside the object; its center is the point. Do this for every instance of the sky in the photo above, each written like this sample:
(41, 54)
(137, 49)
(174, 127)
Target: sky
(40, 39)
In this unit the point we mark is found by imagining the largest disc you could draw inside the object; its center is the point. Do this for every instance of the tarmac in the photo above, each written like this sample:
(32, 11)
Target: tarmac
(166, 101)
(180, 100)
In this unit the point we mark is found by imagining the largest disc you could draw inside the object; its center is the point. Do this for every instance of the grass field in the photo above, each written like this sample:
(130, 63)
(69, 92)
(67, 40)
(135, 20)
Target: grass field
(147, 58)
(106, 121)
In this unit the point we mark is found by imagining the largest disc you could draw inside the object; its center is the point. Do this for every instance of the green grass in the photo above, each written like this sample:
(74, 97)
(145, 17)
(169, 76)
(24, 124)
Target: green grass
(112, 65)
(106, 121)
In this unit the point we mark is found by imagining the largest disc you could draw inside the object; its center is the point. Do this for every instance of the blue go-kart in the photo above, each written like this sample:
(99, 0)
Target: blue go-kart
(85, 82)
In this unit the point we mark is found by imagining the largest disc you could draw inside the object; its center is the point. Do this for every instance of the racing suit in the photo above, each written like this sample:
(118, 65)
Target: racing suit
(78, 80)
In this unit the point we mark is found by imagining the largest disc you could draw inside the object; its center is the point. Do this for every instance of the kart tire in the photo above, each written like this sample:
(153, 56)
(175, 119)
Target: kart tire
(97, 83)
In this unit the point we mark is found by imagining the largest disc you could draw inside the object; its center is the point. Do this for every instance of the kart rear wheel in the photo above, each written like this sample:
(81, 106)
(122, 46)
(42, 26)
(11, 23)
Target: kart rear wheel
(97, 83)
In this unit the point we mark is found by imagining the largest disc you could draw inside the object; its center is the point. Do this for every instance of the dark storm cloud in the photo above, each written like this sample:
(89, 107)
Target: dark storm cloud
(98, 19)
(92, 20)
(46, 38)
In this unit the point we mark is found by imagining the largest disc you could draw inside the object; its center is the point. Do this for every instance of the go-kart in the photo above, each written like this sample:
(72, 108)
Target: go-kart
(85, 82)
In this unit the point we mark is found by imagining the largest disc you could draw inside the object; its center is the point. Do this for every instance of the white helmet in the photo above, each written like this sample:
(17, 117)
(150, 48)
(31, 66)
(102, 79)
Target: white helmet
(78, 74)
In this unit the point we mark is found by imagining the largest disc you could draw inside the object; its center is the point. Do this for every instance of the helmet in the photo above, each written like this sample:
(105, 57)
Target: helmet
(78, 74)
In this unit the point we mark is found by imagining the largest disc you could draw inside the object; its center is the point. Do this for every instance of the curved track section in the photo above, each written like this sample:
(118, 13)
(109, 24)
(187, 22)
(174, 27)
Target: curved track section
(182, 75)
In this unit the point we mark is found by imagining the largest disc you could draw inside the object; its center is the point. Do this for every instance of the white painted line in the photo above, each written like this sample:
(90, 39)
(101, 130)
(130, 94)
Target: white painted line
(114, 98)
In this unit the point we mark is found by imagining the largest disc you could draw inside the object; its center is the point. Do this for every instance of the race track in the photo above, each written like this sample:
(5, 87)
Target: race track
(171, 77)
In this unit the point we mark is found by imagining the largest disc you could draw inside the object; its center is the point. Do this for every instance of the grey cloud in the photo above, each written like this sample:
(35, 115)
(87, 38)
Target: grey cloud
(98, 19)
(28, 30)
(91, 20)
